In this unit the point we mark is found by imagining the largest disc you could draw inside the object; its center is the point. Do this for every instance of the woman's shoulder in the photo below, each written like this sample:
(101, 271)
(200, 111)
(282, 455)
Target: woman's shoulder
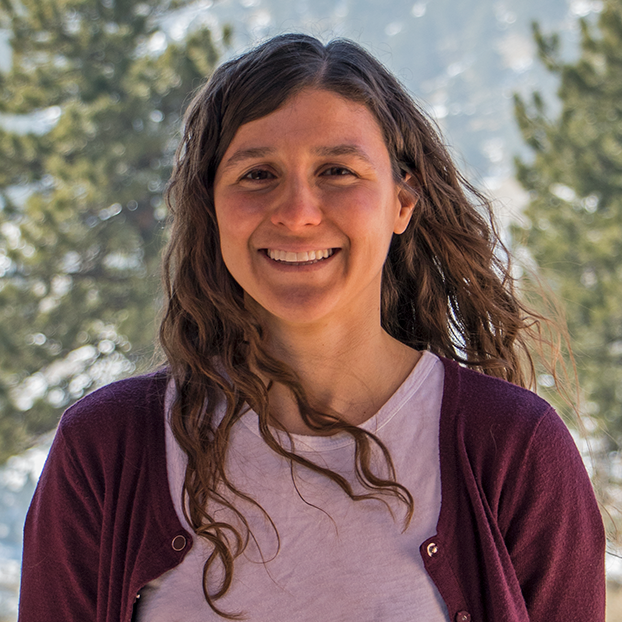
(121, 406)
(501, 426)
(497, 420)
(475, 395)
(107, 439)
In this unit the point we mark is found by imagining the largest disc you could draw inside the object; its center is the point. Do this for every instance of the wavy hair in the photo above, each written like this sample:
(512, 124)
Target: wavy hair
(444, 286)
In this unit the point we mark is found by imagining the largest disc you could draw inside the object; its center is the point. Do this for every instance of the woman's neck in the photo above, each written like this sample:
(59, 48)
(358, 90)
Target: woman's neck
(350, 372)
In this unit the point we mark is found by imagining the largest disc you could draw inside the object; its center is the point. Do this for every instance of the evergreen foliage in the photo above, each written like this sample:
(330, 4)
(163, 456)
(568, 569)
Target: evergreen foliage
(81, 219)
(575, 210)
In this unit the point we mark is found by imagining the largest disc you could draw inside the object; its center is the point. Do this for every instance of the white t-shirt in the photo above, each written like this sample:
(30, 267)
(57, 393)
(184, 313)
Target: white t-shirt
(339, 560)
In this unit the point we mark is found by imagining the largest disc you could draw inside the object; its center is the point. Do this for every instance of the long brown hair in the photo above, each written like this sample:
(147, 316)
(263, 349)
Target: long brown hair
(446, 283)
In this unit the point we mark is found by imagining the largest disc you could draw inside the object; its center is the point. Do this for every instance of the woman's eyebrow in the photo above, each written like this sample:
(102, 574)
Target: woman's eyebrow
(246, 154)
(343, 149)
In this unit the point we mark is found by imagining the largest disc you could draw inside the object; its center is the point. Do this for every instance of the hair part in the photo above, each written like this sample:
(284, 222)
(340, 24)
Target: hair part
(444, 288)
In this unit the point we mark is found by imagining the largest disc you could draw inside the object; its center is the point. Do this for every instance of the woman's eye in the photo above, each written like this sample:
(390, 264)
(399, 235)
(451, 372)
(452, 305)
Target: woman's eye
(258, 175)
(337, 171)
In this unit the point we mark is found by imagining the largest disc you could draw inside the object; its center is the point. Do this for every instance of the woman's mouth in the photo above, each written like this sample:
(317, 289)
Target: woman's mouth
(297, 259)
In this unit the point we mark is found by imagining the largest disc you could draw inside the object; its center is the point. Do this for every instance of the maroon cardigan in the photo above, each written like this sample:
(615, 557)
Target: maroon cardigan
(519, 537)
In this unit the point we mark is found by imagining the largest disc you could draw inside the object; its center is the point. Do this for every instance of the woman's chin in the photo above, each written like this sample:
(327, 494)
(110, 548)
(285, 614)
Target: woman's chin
(297, 308)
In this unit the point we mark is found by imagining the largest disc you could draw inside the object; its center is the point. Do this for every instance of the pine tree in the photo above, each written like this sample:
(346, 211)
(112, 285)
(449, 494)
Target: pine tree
(81, 219)
(574, 230)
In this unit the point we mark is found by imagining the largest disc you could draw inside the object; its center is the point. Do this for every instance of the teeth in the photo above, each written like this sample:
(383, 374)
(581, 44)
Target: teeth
(305, 256)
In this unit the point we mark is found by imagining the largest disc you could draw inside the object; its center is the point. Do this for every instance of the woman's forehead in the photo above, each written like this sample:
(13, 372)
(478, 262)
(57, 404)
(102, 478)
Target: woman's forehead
(320, 121)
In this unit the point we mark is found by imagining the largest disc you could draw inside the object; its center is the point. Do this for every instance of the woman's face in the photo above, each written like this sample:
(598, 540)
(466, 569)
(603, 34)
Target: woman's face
(306, 205)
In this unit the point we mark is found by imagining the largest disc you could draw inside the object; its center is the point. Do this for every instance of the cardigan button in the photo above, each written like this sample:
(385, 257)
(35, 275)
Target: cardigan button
(463, 616)
(432, 551)
(179, 543)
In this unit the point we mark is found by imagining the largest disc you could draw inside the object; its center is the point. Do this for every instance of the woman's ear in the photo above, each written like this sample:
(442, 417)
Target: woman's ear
(407, 197)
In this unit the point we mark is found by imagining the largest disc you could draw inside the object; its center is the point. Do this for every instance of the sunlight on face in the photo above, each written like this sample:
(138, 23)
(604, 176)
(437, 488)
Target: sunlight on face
(307, 204)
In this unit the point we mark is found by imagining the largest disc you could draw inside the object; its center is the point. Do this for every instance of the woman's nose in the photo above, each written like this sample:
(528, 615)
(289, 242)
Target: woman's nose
(298, 206)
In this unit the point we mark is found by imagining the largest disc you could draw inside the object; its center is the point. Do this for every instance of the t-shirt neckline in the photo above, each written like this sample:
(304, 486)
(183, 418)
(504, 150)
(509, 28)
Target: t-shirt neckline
(307, 442)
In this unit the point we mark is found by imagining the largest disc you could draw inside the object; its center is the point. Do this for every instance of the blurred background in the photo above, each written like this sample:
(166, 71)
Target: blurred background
(528, 96)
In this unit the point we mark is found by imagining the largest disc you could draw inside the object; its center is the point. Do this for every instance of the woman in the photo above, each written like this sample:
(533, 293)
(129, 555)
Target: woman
(327, 456)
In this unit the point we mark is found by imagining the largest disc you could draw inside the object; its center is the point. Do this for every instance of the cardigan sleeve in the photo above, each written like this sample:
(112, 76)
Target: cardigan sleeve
(102, 524)
(61, 541)
(553, 529)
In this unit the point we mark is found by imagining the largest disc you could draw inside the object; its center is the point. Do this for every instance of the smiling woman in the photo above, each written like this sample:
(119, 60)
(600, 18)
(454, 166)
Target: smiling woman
(314, 176)
(341, 430)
